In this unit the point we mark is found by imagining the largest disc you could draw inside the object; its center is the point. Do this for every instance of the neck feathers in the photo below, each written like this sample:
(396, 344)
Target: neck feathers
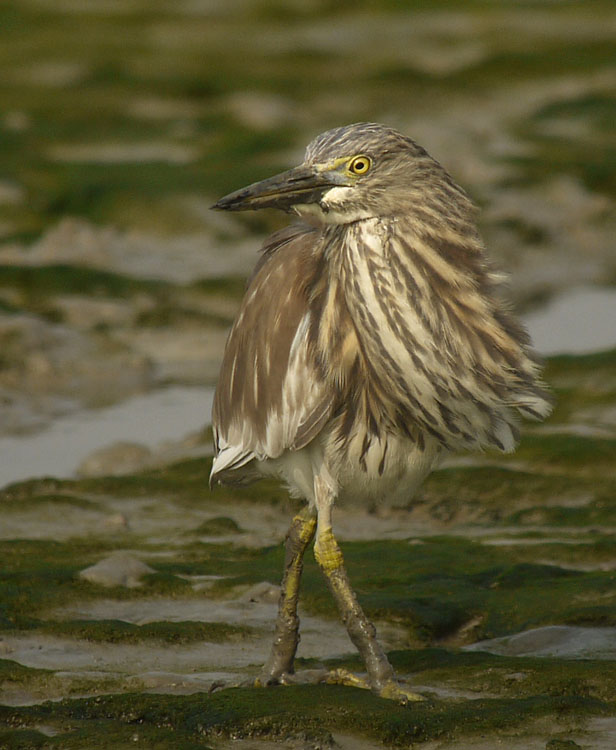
(419, 314)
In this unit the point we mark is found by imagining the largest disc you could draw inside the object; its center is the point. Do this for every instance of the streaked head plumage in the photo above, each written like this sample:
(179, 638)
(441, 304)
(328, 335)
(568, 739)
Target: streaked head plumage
(361, 137)
(358, 171)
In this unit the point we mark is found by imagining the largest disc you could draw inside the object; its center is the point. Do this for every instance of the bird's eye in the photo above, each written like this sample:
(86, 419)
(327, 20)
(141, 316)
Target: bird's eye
(360, 164)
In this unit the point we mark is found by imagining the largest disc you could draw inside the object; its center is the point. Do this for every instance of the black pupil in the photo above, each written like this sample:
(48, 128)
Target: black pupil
(360, 166)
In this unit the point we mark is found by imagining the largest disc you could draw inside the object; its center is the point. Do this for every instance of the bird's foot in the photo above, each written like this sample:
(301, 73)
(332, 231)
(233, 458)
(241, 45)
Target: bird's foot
(265, 679)
(393, 691)
(261, 681)
(390, 689)
(302, 677)
(344, 677)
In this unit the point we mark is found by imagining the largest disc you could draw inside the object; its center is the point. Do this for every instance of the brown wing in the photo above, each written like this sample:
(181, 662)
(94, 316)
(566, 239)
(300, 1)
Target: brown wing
(270, 395)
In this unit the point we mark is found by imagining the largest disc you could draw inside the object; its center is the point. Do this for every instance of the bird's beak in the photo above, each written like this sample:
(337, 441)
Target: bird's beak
(299, 185)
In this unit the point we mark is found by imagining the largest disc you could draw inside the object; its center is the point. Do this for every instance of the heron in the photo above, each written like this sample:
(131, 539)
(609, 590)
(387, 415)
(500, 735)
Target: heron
(373, 340)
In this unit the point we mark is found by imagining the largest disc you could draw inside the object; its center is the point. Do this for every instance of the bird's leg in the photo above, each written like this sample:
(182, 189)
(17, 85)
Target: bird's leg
(381, 679)
(286, 635)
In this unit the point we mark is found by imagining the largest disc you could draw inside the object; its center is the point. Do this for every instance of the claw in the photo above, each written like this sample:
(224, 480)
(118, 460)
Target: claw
(344, 677)
(391, 690)
(266, 680)
(396, 692)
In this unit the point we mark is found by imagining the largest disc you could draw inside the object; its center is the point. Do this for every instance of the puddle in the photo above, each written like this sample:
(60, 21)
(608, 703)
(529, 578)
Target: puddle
(171, 667)
(320, 638)
(578, 321)
(150, 419)
(67, 654)
(560, 641)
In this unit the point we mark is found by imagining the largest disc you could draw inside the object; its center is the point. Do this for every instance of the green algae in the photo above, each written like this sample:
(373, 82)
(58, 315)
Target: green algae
(23, 739)
(100, 734)
(499, 495)
(227, 287)
(119, 631)
(170, 314)
(187, 481)
(34, 574)
(433, 588)
(437, 587)
(34, 289)
(39, 575)
(41, 684)
(53, 499)
(503, 676)
(596, 367)
(219, 526)
(581, 472)
(557, 744)
(594, 514)
(582, 382)
(572, 550)
(116, 65)
(527, 689)
(572, 453)
(67, 279)
(12, 671)
(597, 110)
(311, 713)
(590, 158)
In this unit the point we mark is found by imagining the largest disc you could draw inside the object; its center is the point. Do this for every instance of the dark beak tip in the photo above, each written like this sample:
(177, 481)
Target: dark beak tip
(223, 205)
(281, 191)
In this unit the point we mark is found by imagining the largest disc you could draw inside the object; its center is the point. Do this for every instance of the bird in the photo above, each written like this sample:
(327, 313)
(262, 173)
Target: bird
(373, 340)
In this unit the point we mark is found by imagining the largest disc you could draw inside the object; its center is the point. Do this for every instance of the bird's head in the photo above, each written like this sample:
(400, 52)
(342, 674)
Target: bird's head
(350, 173)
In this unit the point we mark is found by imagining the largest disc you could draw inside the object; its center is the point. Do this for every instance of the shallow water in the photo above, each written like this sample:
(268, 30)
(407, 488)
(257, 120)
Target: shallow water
(562, 641)
(578, 321)
(163, 415)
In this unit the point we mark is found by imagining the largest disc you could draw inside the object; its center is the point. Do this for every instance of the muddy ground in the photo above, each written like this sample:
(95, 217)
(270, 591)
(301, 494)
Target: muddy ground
(132, 596)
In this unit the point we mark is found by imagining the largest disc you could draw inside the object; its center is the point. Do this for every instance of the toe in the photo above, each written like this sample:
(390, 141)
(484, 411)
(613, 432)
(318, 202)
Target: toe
(344, 677)
(393, 691)
(266, 679)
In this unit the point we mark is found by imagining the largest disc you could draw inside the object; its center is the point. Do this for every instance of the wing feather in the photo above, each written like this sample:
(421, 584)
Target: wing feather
(271, 396)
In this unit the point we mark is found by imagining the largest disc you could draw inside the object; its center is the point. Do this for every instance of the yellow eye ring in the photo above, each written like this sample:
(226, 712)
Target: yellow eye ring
(360, 164)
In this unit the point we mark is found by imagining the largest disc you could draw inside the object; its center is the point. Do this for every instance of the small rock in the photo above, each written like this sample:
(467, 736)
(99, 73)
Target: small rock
(560, 641)
(120, 569)
(164, 679)
(117, 521)
(516, 676)
(556, 744)
(43, 359)
(260, 111)
(218, 526)
(17, 121)
(264, 592)
(124, 153)
(86, 314)
(116, 459)
(11, 194)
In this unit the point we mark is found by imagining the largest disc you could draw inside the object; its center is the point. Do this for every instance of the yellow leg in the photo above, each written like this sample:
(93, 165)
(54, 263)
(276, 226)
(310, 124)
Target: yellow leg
(286, 635)
(381, 679)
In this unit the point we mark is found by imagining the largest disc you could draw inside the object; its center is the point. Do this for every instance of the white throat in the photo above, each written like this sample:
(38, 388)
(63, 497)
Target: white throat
(332, 208)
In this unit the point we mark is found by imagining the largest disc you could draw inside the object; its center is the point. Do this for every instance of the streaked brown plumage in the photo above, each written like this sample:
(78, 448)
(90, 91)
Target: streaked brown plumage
(372, 339)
